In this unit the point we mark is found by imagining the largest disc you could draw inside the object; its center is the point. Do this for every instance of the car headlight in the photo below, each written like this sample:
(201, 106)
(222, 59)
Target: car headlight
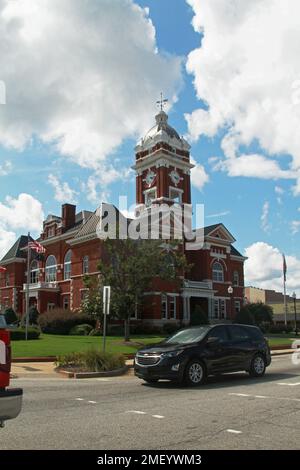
(172, 353)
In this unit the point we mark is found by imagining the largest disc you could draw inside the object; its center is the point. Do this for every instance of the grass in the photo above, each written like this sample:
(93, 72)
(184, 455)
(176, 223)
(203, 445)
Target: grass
(52, 345)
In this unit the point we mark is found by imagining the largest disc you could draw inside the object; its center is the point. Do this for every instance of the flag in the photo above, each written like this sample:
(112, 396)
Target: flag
(284, 268)
(2, 269)
(36, 246)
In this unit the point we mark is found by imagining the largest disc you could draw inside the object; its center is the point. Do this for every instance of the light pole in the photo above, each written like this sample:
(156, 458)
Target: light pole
(230, 292)
(295, 312)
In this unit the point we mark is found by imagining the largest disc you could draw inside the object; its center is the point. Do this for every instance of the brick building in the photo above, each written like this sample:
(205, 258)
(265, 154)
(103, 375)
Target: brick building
(73, 249)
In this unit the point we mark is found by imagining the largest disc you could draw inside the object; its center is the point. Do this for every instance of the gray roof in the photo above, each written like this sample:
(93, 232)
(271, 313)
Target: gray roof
(17, 250)
(235, 252)
(89, 227)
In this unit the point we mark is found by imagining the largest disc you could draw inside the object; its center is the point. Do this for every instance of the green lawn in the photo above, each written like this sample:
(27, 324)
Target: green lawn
(52, 345)
(279, 340)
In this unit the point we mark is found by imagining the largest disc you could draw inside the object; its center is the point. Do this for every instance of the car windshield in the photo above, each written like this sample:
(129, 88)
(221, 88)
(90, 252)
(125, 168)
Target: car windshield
(190, 335)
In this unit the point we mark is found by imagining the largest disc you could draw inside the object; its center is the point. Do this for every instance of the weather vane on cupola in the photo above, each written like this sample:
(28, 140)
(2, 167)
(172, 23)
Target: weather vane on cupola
(162, 103)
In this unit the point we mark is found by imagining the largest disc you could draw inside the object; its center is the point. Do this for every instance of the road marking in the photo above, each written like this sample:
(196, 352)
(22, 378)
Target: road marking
(79, 399)
(289, 384)
(157, 416)
(136, 412)
(240, 394)
(93, 402)
(260, 396)
(234, 431)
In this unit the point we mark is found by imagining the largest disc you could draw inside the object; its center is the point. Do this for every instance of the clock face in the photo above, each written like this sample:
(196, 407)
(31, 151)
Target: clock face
(150, 177)
(175, 177)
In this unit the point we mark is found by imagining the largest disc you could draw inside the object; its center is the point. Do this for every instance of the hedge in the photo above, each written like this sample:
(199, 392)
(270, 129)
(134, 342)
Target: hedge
(60, 321)
(20, 334)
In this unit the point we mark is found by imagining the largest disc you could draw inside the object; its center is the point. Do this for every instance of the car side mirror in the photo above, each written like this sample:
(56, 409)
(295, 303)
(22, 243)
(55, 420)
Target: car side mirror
(212, 341)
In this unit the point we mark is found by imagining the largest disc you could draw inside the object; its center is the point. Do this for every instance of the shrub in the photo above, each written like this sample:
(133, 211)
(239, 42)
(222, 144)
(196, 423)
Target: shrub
(10, 316)
(115, 330)
(20, 334)
(95, 332)
(81, 330)
(33, 315)
(170, 328)
(244, 317)
(92, 361)
(280, 329)
(60, 321)
(145, 329)
(199, 317)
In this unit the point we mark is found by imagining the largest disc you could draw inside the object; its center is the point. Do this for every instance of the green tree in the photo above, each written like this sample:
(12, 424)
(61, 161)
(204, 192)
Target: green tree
(33, 315)
(255, 314)
(130, 266)
(10, 316)
(244, 317)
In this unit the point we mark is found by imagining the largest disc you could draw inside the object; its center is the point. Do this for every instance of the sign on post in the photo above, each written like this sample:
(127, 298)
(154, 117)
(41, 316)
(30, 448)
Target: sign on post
(106, 307)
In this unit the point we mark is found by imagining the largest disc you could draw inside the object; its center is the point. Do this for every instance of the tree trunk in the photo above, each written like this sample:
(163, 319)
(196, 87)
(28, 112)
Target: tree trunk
(127, 329)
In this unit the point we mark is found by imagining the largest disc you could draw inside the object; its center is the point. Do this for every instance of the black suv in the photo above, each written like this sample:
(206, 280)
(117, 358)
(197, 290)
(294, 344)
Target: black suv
(191, 354)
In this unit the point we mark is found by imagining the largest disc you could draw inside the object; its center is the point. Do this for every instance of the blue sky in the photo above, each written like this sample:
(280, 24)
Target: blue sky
(254, 209)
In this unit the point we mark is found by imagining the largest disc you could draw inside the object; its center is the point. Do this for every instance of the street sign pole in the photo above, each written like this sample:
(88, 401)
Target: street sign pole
(106, 307)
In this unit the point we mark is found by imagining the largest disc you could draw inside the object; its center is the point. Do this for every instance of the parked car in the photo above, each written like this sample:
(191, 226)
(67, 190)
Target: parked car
(192, 354)
(10, 399)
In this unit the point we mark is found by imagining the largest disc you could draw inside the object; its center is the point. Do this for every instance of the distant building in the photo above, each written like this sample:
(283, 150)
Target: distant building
(275, 300)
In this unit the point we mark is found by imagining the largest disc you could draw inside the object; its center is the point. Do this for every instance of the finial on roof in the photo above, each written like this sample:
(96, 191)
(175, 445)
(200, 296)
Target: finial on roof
(162, 102)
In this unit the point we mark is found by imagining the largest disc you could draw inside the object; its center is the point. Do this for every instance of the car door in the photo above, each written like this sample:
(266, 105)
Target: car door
(218, 354)
(241, 346)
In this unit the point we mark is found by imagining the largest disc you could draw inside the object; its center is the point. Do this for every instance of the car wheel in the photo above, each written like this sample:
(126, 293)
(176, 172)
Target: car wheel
(258, 366)
(195, 373)
(151, 381)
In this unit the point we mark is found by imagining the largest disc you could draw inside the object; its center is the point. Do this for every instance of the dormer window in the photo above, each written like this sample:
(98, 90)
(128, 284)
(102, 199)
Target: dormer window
(51, 232)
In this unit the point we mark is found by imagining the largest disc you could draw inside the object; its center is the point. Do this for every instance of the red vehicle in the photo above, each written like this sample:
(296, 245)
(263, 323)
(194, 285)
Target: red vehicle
(10, 399)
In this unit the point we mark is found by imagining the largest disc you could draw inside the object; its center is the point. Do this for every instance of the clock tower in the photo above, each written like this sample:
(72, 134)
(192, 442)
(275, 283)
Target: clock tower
(163, 166)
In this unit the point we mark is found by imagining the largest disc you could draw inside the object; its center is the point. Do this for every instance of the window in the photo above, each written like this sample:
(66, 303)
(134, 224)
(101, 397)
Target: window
(50, 306)
(51, 268)
(239, 333)
(175, 195)
(85, 265)
(236, 278)
(172, 304)
(6, 280)
(84, 293)
(219, 332)
(218, 272)
(237, 306)
(150, 196)
(223, 308)
(67, 265)
(34, 272)
(216, 309)
(164, 307)
(66, 302)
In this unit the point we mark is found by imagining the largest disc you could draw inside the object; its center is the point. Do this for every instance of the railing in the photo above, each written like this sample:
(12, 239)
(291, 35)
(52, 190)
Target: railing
(198, 284)
(41, 285)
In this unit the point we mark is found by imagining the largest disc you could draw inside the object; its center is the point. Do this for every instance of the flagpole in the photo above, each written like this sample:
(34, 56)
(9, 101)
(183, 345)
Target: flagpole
(284, 290)
(27, 287)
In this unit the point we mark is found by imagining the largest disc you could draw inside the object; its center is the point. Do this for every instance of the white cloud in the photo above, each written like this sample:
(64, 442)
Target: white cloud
(5, 168)
(265, 217)
(80, 74)
(199, 177)
(24, 212)
(219, 214)
(247, 72)
(279, 190)
(7, 239)
(63, 192)
(264, 268)
(295, 226)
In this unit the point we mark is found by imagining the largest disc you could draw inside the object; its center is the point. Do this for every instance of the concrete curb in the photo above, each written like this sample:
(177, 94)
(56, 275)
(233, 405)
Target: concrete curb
(92, 375)
(17, 360)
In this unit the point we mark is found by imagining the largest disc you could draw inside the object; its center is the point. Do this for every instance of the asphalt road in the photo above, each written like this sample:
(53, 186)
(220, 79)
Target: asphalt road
(230, 412)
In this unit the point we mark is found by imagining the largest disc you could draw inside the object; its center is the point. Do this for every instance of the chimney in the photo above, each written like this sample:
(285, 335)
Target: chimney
(68, 212)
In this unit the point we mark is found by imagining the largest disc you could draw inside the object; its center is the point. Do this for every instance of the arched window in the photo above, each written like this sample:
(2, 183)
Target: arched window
(51, 268)
(67, 265)
(218, 272)
(34, 272)
(236, 280)
(85, 265)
